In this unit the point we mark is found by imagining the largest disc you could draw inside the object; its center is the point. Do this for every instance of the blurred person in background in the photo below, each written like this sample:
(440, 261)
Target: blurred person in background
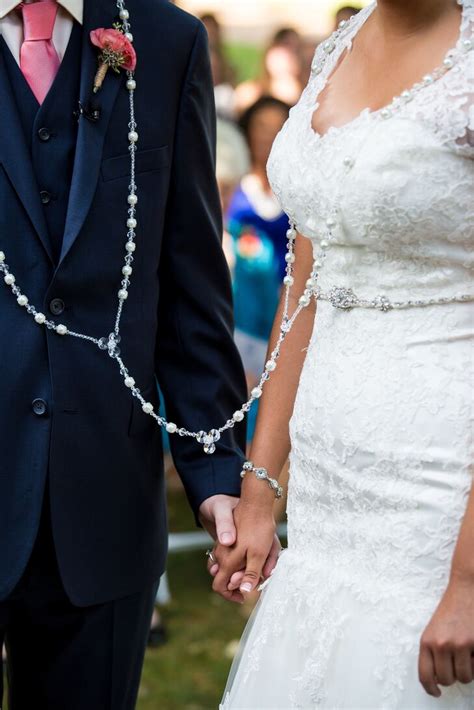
(223, 74)
(233, 162)
(288, 37)
(258, 227)
(281, 75)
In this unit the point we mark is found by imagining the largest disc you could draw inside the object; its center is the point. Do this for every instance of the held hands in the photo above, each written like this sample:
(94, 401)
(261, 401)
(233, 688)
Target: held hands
(238, 569)
(447, 645)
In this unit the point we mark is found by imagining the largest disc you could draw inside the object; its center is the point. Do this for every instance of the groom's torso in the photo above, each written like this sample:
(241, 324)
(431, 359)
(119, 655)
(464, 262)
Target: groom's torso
(64, 413)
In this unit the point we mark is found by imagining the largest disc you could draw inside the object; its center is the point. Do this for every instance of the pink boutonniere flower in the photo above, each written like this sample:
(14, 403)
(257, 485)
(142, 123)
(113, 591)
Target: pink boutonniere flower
(116, 53)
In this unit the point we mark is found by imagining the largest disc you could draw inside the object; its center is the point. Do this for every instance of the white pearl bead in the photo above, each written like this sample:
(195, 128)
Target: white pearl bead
(468, 44)
(132, 199)
(288, 281)
(329, 46)
(324, 244)
(342, 24)
(40, 318)
(133, 136)
(147, 408)
(22, 300)
(123, 294)
(271, 366)
(238, 416)
(331, 222)
(61, 329)
(304, 301)
(124, 14)
(448, 63)
(129, 382)
(310, 283)
(291, 234)
(385, 113)
(407, 95)
(131, 223)
(428, 79)
(290, 258)
(131, 84)
(348, 162)
(127, 270)
(130, 247)
(129, 36)
(171, 428)
(9, 279)
(318, 264)
(257, 392)
(2, 257)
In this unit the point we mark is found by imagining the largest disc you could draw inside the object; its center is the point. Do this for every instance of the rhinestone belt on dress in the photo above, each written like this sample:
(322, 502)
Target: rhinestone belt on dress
(345, 299)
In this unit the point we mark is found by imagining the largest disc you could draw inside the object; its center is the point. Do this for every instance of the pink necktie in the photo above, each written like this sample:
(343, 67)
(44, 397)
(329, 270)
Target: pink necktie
(39, 60)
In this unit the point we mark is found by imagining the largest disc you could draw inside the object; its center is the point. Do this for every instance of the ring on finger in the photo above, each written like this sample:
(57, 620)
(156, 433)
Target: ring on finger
(210, 556)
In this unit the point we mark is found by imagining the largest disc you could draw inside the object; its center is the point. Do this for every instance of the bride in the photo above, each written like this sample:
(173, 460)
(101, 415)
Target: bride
(372, 604)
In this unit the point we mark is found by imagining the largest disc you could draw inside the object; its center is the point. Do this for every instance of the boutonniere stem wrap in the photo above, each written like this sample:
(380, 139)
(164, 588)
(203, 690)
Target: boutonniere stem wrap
(117, 53)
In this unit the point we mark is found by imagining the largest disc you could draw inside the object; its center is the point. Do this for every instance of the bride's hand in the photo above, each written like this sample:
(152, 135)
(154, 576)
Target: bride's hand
(240, 569)
(447, 645)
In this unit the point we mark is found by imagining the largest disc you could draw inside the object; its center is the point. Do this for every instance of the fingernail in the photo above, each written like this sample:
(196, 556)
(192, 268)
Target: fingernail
(226, 538)
(247, 587)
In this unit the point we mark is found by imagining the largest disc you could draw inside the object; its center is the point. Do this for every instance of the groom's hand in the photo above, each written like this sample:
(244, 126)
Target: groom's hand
(241, 567)
(217, 517)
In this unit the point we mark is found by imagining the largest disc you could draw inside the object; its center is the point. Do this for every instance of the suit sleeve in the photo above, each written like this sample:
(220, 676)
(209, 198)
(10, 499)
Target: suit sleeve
(198, 367)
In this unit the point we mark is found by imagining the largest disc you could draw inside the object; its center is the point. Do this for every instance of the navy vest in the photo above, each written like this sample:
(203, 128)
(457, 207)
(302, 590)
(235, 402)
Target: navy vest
(51, 133)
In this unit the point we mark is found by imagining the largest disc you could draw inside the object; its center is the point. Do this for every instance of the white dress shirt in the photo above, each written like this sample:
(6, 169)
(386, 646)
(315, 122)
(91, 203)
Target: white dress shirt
(11, 24)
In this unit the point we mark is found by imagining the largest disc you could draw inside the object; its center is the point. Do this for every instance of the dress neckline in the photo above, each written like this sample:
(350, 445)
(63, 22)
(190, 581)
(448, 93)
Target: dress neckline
(331, 66)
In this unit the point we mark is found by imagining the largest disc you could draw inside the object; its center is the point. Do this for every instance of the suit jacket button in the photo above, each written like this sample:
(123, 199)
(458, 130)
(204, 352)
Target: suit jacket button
(57, 306)
(45, 197)
(44, 134)
(40, 408)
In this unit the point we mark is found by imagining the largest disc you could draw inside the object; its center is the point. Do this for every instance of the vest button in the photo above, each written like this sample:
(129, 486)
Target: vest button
(57, 306)
(45, 197)
(40, 408)
(44, 134)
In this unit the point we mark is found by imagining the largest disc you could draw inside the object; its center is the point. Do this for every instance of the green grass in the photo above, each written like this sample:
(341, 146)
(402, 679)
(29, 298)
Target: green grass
(246, 60)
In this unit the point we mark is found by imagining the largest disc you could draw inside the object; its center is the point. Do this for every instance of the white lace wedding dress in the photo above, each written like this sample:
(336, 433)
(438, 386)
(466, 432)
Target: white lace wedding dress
(382, 426)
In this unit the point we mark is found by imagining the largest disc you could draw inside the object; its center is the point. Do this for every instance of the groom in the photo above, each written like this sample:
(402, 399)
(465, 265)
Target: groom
(82, 499)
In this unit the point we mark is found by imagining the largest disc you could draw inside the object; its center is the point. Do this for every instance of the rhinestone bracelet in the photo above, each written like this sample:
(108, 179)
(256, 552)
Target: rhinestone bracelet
(262, 475)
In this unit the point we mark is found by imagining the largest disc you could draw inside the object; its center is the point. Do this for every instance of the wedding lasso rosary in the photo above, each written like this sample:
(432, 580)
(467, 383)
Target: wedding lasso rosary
(342, 298)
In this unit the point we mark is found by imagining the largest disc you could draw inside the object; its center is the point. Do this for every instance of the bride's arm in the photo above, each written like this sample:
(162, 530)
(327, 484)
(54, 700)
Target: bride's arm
(447, 645)
(255, 548)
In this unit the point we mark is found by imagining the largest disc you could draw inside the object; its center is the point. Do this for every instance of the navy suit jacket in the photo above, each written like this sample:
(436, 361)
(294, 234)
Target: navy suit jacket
(101, 455)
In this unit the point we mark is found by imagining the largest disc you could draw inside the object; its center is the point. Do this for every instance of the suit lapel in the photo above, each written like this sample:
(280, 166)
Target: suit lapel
(91, 135)
(16, 159)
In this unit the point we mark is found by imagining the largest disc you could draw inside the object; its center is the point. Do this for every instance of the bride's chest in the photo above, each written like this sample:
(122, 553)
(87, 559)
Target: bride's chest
(390, 181)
